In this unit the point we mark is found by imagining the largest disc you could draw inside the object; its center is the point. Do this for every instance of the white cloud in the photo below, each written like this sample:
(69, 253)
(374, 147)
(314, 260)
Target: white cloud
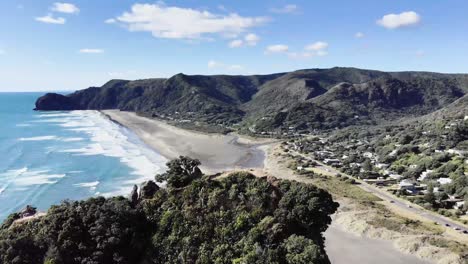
(317, 46)
(91, 51)
(184, 23)
(2, 51)
(279, 48)
(212, 64)
(249, 40)
(420, 53)
(252, 39)
(359, 35)
(65, 8)
(404, 19)
(236, 43)
(49, 19)
(110, 21)
(287, 9)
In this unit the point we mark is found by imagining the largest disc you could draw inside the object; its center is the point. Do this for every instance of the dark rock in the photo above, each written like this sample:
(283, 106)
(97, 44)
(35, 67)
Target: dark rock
(148, 189)
(134, 195)
(53, 101)
(28, 211)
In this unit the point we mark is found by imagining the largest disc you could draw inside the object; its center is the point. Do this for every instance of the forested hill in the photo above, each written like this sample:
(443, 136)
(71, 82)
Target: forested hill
(304, 99)
(196, 219)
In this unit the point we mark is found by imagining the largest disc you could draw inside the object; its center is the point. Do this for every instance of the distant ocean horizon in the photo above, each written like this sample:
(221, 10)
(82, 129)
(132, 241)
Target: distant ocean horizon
(48, 157)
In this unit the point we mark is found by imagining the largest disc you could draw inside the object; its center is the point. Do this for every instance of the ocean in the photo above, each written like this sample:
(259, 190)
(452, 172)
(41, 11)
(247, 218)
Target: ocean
(48, 157)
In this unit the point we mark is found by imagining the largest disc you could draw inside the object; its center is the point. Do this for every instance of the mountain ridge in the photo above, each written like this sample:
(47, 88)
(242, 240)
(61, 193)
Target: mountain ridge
(304, 99)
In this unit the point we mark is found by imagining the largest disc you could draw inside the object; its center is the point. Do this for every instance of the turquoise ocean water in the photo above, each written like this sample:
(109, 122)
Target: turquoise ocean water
(46, 157)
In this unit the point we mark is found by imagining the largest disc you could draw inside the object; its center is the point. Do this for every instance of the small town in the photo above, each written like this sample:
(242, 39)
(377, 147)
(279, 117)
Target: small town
(423, 174)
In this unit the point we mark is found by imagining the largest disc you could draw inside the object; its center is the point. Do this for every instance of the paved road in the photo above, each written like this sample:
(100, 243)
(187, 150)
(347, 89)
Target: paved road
(384, 195)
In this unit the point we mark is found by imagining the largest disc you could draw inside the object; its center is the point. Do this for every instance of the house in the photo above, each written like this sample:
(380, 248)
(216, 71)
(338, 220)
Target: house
(424, 174)
(395, 176)
(406, 185)
(452, 201)
(332, 161)
(444, 181)
(459, 205)
(382, 165)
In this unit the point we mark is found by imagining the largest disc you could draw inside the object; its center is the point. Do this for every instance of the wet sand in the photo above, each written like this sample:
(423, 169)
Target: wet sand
(216, 152)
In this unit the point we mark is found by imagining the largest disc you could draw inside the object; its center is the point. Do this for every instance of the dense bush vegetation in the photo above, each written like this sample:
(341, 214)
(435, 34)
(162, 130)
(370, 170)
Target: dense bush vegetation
(237, 219)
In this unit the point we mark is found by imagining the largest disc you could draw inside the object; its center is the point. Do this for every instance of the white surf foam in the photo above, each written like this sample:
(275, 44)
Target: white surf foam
(40, 138)
(26, 177)
(38, 177)
(23, 125)
(112, 140)
(90, 185)
(44, 138)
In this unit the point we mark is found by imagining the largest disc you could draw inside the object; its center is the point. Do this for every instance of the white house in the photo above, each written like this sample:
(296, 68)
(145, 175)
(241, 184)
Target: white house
(424, 175)
(406, 184)
(396, 176)
(444, 181)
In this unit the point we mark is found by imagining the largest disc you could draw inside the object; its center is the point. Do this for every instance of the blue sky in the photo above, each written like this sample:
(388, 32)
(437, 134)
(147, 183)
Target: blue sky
(50, 45)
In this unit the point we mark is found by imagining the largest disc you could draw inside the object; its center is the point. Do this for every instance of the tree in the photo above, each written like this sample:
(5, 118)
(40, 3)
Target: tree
(180, 172)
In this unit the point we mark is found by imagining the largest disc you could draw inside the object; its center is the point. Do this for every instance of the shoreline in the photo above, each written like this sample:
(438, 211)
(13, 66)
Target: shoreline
(216, 152)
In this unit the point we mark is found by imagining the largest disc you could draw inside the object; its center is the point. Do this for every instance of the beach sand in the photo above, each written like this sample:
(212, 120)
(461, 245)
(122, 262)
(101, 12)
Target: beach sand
(216, 152)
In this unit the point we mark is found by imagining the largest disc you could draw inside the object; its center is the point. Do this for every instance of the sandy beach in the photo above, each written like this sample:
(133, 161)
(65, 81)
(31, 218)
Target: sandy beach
(216, 152)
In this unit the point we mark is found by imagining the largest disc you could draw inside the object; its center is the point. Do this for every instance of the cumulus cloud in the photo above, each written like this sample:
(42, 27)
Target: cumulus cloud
(359, 35)
(317, 46)
(65, 8)
(184, 23)
(110, 21)
(212, 64)
(404, 19)
(252, 39)
(49, 19)
(249, 40)
(91, 51)
(236, 43)
(287, 9)
(279, 48)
